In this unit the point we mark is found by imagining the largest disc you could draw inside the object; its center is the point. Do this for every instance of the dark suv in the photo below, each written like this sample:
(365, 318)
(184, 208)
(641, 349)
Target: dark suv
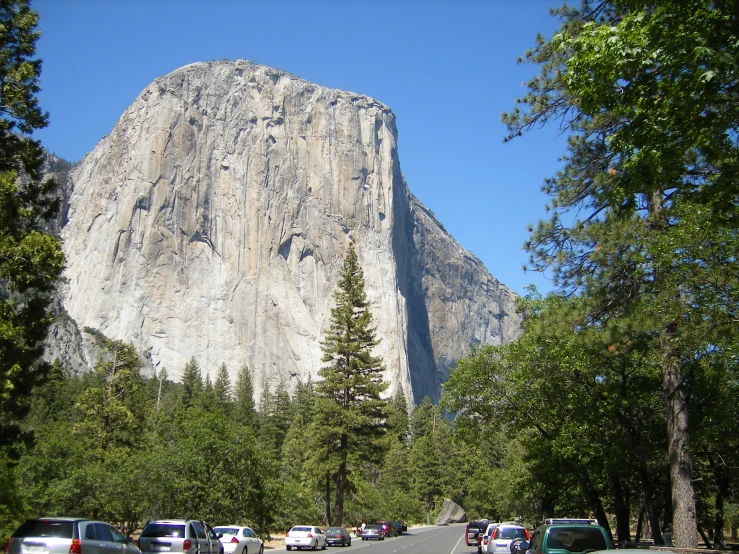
(474, 531)
(388, 528)
(68, 535)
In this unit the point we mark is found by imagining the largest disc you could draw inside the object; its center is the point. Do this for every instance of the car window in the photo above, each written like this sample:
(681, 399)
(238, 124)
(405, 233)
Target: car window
(536, 540)
(507, 533)
(90, 533)
(226, 530)
(305, 529)
(103, 533)
(576, 540)
(45, 528)
(199, 531)
(155, 530)
(117, 537)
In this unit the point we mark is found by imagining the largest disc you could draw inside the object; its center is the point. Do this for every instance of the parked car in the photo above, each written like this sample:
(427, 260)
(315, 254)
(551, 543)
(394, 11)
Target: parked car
(338, 535)
(398, 527)
(305, 536)
(373, 532)
(473, 533)
(237, 539)
(388, 528)
(185, 536)
(67, 535)
(568, 537)
(498, 537)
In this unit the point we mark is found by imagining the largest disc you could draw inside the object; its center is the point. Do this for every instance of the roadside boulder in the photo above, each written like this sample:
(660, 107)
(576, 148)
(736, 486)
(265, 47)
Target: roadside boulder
(450, 513)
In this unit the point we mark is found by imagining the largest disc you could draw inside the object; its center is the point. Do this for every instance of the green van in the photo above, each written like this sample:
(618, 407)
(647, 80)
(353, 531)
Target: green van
(567, 538)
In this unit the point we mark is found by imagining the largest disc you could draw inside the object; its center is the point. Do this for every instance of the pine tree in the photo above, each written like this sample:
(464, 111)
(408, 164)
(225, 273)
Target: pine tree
(397, 420)
(192, 383)
(31, 260)
(222, 387)
(244, 409)
(350, 415)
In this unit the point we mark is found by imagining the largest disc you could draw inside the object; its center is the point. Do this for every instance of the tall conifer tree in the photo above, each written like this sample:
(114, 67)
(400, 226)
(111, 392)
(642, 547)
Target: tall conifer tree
(245, 409)
(31, 260)
(349, 413)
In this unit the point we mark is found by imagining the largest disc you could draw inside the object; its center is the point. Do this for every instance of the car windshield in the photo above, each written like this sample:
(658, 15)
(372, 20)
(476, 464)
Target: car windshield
(226, 530)
(304, 529)
(164, 530)
(576, 540)
(511, 533)
(45, 528)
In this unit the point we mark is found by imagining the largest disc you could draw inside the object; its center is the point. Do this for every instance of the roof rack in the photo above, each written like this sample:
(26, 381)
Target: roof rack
(569, 520)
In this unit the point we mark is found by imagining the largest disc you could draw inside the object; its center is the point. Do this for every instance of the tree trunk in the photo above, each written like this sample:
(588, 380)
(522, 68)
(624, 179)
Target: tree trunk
(591, 495)
(328, 499)
(721, 488)
(340, 487)
(652, 515)
(639, 523)
(684, 522)
(622, 511)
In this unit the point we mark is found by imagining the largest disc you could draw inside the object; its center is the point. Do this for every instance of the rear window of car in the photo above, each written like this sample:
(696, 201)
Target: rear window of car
(305, 529)
(334, 530)
(226, 530)
(576, 540)
(511, 533)
(46, 528)
(164, 530)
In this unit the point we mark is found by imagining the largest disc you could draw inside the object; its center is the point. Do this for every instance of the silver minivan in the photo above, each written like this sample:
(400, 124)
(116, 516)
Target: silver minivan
(184, 536)
(68, 535)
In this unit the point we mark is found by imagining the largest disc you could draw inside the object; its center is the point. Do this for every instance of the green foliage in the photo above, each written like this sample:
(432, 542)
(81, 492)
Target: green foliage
(30, 260)
(244, 411)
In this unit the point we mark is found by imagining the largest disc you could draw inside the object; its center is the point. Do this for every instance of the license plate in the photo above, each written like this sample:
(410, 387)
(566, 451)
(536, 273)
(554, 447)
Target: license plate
(34, 549)
(160, 548)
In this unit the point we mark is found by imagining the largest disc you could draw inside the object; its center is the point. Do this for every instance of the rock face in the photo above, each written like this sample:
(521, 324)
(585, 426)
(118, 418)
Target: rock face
(450, 513)
(213, 220)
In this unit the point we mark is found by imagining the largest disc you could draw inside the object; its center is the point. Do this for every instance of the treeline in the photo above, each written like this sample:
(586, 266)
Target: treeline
(113, 445)
(589, 415)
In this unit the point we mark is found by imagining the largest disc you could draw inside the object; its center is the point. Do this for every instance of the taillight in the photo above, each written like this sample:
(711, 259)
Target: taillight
(75, 547)
(7, 544)
(310, 536)
(526, 532)
(339, 536)
(186, 544)
(234, 540)
(485, 541)
(287, 534)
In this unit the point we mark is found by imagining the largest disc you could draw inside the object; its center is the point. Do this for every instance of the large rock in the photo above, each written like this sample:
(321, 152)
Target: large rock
(450, 513)
(213, 220)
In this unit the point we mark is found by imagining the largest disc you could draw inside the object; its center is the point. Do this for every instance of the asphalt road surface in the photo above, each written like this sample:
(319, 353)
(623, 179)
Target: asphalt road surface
(447, 539)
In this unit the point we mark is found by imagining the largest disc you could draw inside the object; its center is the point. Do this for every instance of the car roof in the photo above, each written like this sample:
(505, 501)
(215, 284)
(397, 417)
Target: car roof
(177, 521)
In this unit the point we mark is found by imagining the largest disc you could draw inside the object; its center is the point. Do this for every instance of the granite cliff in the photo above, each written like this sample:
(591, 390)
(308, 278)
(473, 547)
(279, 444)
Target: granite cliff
(213, 220)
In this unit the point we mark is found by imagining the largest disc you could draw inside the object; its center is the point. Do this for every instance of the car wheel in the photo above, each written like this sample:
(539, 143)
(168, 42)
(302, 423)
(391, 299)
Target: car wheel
(315, 545)
(289, 547)
(324, 546)
(261, 549)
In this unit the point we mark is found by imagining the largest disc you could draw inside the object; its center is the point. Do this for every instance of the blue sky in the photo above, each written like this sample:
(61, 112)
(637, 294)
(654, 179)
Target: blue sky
(447, 69)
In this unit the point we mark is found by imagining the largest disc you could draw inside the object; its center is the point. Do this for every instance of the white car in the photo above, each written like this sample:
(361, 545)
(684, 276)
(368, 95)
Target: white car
(305, 536)
(237, 539)
(499, 536)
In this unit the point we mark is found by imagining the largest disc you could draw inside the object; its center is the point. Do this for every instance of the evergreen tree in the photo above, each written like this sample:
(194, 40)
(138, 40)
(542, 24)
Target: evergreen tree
(397, 419)
(192, 383)
(304, 401)
(350, 416)
(31, 260)
(422, 419)
(244, 409)
(427, 472)
(222, 387)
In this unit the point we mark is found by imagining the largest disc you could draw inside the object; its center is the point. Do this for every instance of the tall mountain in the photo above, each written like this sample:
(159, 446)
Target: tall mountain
(213, 220)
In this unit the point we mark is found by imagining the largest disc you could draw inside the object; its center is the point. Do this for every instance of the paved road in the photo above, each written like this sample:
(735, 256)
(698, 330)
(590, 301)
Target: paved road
(421, 540)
